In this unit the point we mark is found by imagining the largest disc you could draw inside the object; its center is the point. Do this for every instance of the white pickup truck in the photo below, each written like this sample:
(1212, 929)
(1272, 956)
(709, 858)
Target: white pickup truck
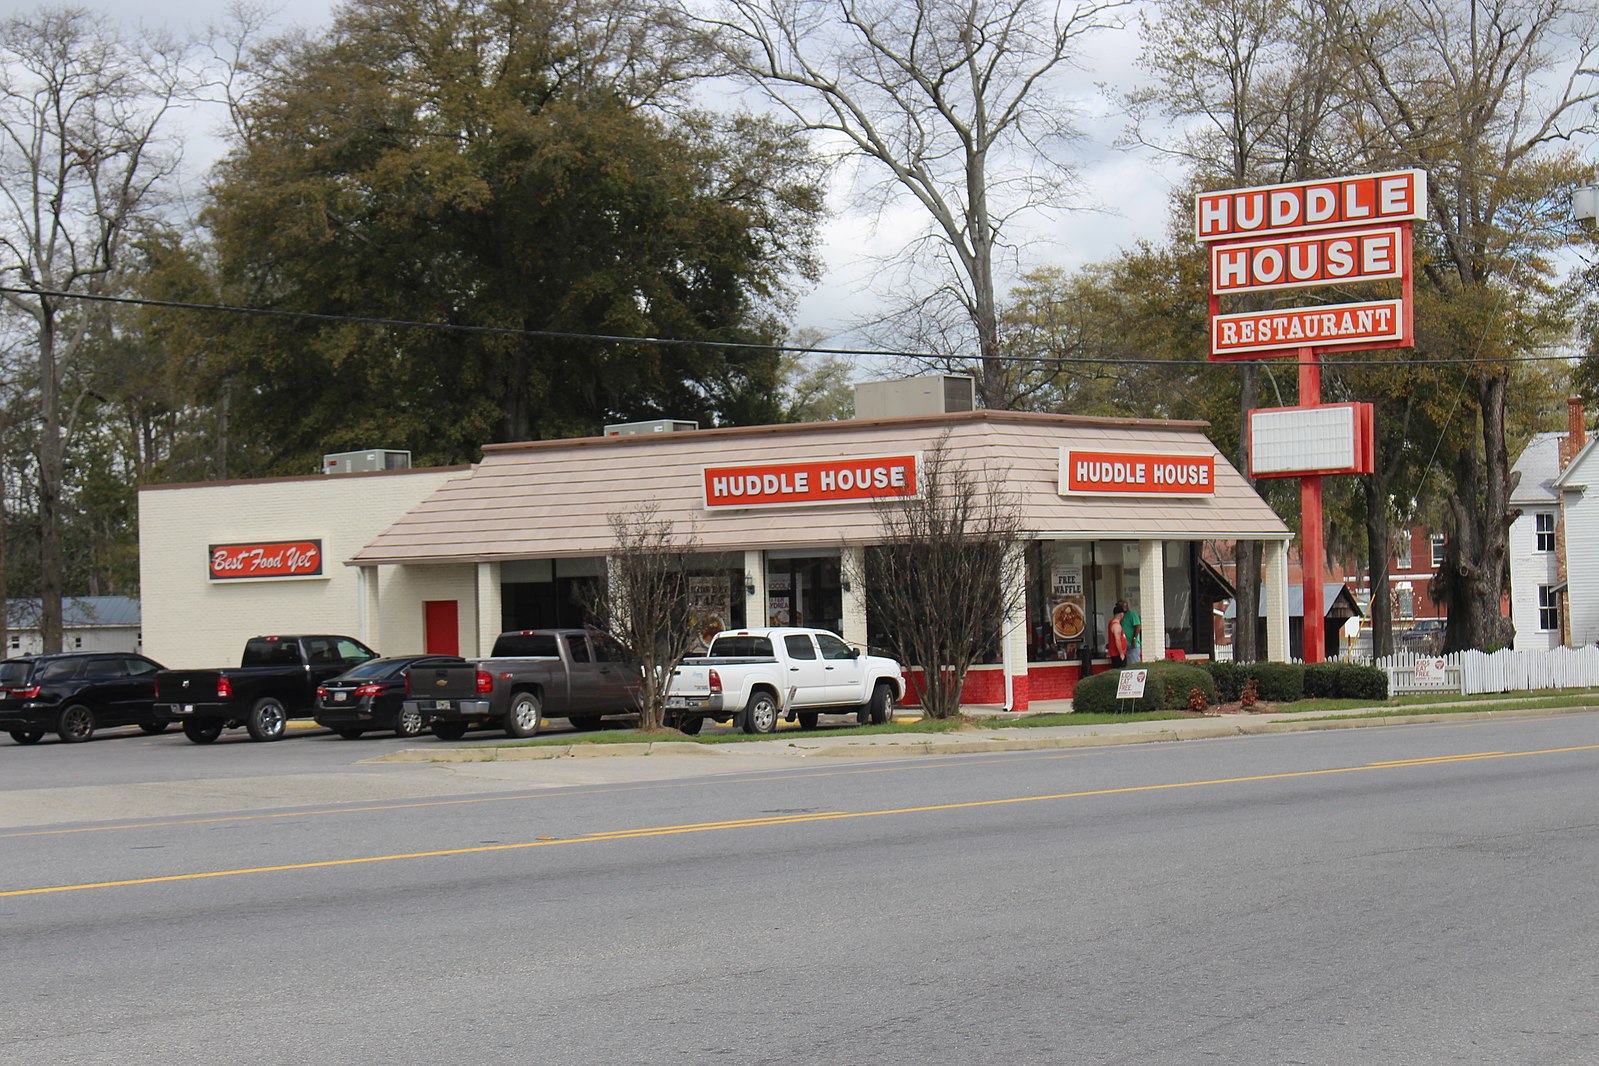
(755, 676)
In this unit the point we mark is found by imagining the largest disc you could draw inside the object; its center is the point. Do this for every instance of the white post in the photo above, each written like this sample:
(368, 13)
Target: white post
(1276, 601)
(1152, 598)
(852, 571)
(755, 610)
(367, 613)
(1013, 631)
(488, 606)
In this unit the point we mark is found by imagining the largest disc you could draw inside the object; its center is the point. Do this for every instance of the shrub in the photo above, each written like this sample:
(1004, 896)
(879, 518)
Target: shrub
(1363, 682)
(1169, 687)
(1227, 678)
(1323, 680)
(1278, 682)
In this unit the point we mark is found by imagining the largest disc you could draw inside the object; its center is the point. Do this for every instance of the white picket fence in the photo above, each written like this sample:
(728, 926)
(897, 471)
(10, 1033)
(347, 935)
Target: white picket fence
(1470, 672)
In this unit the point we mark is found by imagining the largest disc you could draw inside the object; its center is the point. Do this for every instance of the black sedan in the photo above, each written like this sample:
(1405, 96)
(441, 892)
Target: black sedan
(372, 696)
(72, 694)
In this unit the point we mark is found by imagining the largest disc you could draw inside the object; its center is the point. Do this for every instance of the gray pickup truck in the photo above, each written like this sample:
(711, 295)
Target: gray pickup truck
(533, 674)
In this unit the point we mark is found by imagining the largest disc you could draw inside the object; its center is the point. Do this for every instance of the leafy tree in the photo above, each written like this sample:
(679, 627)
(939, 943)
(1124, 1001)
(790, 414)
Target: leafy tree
(501, 168)
(951, 102)
(1485, 96)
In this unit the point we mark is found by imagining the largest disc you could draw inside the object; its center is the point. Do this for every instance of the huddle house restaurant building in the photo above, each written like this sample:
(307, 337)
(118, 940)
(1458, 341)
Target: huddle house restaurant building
(780, 516)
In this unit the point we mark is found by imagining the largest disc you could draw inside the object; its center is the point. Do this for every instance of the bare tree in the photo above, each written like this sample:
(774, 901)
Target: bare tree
(80, 163)
(955, 103)
(942, 579)
(643, 603)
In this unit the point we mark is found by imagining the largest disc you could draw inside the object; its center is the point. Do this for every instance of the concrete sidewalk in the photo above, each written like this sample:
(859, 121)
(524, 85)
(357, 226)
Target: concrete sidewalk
(793, 743)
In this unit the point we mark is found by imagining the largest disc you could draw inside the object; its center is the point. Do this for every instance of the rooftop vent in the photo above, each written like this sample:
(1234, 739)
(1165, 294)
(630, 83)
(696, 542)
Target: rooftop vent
(641, 429)
(369, 459)
(935, 394)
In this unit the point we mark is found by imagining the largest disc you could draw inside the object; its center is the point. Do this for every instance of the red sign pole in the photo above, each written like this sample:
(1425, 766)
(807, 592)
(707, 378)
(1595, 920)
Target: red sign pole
(1310, 546)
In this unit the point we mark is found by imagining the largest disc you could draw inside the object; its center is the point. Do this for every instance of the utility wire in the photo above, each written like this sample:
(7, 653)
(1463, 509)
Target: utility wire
(607, 338)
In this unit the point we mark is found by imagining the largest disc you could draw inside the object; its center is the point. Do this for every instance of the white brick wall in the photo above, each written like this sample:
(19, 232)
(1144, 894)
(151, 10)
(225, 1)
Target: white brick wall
(191, 621)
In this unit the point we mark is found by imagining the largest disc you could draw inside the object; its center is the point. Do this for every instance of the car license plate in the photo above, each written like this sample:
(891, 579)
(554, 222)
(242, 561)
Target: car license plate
(441, 705)
(676, 701)
(188, 708)
(338, 697)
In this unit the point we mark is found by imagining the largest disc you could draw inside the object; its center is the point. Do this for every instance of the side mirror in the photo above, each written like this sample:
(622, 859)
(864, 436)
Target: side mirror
(855, 653)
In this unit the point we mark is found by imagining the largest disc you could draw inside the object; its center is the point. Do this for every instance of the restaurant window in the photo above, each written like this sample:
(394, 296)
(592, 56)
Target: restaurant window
(1548, 609)
(1437, 541)
(1546, 530)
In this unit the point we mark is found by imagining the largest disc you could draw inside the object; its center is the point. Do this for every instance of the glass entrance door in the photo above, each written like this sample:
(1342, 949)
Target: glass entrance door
(805, 592)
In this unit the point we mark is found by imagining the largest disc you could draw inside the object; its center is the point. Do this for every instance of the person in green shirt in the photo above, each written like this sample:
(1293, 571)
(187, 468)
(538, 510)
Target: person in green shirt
(1133, 626)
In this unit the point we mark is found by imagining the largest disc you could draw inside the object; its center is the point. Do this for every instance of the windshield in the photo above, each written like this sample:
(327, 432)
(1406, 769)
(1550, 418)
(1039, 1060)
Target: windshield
(15, 672)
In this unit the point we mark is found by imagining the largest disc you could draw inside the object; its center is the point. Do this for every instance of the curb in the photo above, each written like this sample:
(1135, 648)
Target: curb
(889, 746)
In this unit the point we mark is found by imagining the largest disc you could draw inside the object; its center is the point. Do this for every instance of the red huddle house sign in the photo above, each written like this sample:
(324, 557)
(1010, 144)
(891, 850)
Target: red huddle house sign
(282, 558)
(1311, 205)
(1084, 473)
(810, 482)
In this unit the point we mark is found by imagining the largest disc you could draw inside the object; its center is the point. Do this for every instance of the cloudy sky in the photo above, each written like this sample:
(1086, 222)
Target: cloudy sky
(1124, 195)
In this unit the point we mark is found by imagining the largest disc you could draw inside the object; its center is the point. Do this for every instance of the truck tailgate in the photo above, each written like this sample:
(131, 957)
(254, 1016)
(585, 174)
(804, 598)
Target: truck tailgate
(443, 682)
(690, 680)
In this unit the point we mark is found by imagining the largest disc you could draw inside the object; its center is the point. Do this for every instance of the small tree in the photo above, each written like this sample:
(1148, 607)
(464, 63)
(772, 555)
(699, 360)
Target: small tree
(643, 603)
(943, 578)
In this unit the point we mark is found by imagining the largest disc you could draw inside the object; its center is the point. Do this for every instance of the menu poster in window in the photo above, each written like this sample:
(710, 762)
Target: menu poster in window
(778, 613)
(779, 582)
(707, 607)
(1068, 614)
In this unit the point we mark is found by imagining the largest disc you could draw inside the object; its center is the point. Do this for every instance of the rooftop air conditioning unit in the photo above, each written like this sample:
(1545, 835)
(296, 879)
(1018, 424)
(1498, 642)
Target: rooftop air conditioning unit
(370, 459)
(935, 394)
(657, 425)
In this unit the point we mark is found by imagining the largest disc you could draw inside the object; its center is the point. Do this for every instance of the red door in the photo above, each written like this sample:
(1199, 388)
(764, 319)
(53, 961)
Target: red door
(441, 632)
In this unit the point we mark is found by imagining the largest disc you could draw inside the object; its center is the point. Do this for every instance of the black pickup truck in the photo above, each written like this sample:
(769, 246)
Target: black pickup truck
(276, 680)
(532, 675)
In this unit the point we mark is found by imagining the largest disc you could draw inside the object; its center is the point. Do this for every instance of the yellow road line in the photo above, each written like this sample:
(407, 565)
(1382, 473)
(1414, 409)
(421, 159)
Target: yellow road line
(711, 827)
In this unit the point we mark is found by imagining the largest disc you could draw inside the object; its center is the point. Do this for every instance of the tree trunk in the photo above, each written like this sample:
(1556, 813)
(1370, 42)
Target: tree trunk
(1381, 609)
(1479, 502)
(1246, 553)
(50, 472)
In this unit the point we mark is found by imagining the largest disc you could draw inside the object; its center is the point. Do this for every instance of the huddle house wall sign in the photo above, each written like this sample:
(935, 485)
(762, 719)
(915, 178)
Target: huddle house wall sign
(811, 481)
(1084, 473)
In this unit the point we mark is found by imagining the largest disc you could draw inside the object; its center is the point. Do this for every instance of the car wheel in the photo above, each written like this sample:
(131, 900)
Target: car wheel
(760, 714)
(267, 720)
(808, 719)
(523, 719)
(154, 728)
(202, 731)
(27, 736)
(408, 722)
(882, 705)
(75, 724)
(585, 722)
(349, 734)
(449, 730)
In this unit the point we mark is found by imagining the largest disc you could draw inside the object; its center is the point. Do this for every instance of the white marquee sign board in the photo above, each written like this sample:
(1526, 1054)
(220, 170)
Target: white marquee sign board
(1306, 441)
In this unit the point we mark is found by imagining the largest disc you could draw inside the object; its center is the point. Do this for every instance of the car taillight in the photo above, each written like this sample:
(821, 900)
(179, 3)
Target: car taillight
(25, 693)
(368, 690)
(224, 689)
(485, 683)
(716, 681)
(321, 692)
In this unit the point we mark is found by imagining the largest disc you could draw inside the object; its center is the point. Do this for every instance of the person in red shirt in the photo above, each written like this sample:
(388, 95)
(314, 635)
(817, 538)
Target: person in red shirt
(1116, 637)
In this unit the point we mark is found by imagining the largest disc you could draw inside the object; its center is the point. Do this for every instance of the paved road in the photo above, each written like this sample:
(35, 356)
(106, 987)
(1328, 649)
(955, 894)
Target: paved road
(1398, 895)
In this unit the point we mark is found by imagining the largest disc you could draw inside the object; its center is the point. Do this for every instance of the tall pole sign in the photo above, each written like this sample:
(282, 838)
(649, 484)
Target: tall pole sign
(1308, 234)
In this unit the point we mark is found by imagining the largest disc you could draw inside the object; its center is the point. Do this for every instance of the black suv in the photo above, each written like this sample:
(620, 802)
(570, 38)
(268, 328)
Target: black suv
(74, 693)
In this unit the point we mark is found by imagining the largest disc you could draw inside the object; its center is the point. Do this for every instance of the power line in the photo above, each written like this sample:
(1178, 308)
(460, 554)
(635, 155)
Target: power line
(607, 338)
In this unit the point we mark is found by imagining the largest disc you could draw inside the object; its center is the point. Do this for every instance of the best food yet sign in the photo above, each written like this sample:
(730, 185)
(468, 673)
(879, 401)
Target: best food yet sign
(1085, 473)
(810, 482)
(287, 558)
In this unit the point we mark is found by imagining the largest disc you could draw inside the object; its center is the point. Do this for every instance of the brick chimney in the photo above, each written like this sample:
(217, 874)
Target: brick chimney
(1576, 436)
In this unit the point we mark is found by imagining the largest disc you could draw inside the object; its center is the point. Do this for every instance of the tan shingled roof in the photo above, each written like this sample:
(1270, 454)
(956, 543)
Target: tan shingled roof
(553, 499)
